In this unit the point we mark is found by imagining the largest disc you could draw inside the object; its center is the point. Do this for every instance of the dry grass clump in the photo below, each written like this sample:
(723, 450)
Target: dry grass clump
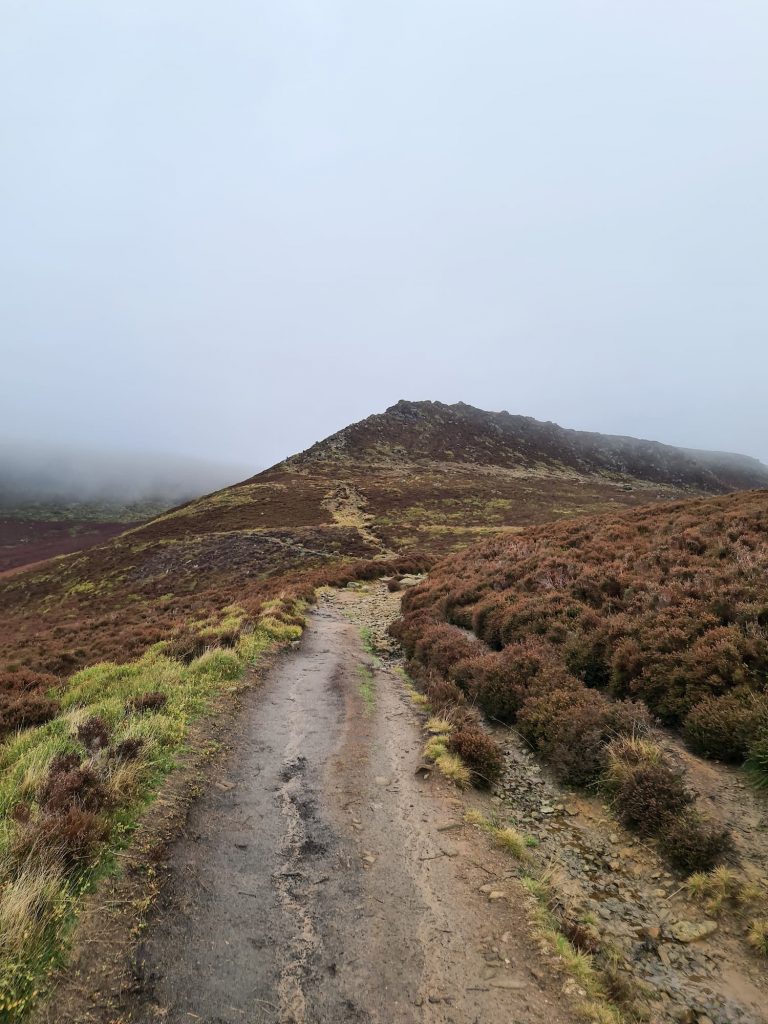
(511, 841)
(758, 936)
(449, 764)
(717, 889)
(757, 761)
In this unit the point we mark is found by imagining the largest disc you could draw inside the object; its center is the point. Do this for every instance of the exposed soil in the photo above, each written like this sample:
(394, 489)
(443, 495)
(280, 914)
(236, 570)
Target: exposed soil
(323, 878)
(27, 542)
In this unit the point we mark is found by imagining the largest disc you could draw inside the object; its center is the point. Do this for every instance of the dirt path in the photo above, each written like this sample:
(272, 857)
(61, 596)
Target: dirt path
(322, 880)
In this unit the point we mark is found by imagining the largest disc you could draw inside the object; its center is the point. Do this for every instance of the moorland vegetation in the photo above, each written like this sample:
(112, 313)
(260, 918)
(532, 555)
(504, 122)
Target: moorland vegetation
(586, 634)
(108, 655)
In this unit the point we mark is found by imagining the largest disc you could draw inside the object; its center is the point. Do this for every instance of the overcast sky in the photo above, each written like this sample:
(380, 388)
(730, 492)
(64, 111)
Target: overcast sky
(228, 229)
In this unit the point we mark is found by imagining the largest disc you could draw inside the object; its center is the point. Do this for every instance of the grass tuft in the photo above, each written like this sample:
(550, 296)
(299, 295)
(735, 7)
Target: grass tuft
(758, 936)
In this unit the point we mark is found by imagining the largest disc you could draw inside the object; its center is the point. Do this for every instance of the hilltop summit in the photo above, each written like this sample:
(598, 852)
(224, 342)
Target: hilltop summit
(428, 431)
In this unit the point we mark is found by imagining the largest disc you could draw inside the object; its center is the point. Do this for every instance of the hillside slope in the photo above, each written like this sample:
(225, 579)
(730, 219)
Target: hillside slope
(666, 604)
(420, 479)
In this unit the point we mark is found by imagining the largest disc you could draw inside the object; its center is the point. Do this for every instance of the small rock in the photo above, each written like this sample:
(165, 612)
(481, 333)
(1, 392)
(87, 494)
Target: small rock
(509, 983)
(684, 1015)
(496, 894)
(486, 888)
(690, 931)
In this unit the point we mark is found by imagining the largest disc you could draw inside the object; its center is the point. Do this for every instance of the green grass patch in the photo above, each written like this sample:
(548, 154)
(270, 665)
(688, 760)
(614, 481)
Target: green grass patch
(367, 687)
(40, 892)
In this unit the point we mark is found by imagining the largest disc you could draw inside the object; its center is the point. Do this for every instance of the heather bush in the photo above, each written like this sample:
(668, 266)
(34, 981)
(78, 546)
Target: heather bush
(70, 837)
(478, 751)
(724, 727)
(94, 734)
(501, 682)
(440, 647)
(153, 700)
(692, 843)
(24, 710)
(645, 787)
(185, 646)
(71, 784)
(572, 728)
(25, 700)
(441, 693)
(408, 630)
(664, 605)
(127, 750)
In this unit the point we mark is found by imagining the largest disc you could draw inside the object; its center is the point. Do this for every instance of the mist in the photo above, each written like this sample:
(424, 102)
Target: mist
(38, 473)
(231, 229)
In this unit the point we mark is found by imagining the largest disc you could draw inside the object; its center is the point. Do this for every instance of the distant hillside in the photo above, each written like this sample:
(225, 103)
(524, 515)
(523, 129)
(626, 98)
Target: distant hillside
(56, 500)
(417, 481)
(57, 482)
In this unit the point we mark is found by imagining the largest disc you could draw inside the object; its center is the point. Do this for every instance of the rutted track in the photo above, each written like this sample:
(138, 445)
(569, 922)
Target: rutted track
(321, 881)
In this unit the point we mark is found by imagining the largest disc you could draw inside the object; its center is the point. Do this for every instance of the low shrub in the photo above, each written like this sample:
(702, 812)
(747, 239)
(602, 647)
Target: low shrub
(693, 843)
(724, 727)
(94, 734)
(127, 749)
(440, 647)
(479, 751)
(442, 694)
(70, 837)
(25, 700)
(153, 700)
(70, 784)
(185, 646)
(572, 728)
(23, 711)
(500, 682)
(646, 789)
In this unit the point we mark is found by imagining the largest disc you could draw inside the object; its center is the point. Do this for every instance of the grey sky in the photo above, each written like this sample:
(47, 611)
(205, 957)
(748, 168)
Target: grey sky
(227, 229)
